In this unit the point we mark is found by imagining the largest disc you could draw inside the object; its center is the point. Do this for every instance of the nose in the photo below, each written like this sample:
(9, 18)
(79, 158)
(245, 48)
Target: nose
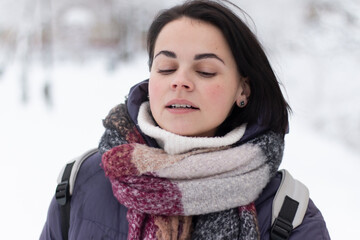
(182, 82)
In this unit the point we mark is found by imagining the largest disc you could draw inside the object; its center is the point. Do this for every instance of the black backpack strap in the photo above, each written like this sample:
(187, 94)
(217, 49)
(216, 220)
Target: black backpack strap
(64, 189)
(282, 227)
(289, 206)
(62, 196)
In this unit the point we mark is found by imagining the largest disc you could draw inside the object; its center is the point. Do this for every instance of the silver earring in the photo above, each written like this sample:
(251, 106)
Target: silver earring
(242, 103)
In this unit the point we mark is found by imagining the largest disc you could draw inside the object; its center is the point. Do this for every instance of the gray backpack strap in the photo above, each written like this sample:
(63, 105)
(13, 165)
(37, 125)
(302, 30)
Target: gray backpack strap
(76, 164)
(65, 188)
(289, 206)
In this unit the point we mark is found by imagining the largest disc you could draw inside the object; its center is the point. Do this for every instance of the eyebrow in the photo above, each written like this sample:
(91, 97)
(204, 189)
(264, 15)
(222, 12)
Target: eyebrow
(197, 56)
(208, 55)
(166, 53)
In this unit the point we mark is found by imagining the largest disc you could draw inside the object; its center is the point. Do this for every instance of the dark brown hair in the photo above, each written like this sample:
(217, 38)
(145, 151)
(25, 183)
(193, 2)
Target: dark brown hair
(267, 106)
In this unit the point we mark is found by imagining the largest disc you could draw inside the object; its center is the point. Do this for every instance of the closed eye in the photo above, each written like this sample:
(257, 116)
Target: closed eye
(166, 71)
(206, 74)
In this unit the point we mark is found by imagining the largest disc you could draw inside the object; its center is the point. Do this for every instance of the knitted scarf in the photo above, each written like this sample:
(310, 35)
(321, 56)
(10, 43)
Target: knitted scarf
(200, 193)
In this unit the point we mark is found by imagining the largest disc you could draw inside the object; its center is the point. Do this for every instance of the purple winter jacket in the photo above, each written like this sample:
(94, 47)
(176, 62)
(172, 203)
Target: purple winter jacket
(96, 214)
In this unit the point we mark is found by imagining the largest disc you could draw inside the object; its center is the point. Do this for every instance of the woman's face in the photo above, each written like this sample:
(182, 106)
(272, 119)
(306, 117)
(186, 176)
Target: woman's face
(194, 81)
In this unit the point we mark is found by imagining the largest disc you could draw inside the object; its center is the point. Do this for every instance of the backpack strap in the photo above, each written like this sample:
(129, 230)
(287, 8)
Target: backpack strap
(289, 206)
(65, 187)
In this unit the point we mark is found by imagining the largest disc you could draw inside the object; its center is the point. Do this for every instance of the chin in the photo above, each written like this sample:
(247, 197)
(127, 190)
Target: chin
(194, 134)
(180, 132)
(186, 131)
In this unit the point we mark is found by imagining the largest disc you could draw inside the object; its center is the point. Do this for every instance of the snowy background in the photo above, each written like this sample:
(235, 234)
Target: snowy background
(64, 65)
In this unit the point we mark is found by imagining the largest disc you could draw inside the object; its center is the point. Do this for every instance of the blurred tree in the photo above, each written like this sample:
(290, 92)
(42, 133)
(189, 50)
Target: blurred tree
(77, 30)
(23, 41)
(47, 48)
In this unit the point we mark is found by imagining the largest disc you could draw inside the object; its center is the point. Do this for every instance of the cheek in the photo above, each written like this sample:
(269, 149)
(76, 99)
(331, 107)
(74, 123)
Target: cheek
(154, 98)
(220, 97)
(154, 89)
(215, 93)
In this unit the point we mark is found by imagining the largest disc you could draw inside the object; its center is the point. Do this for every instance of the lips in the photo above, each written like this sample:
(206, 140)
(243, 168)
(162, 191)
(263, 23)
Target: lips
(181, 104)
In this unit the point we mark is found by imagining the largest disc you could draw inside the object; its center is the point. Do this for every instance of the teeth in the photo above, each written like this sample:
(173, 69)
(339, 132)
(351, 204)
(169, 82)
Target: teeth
(180, 106)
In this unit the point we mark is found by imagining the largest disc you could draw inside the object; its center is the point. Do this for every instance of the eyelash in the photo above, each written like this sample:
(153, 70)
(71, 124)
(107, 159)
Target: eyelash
(204, 74)
(207, 74)
(166, 71)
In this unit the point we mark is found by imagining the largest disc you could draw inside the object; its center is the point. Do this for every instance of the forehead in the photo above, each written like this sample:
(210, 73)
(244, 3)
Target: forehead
(185, 33)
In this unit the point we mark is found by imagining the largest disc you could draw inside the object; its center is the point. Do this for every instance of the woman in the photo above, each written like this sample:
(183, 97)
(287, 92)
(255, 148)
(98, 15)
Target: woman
(194, 151)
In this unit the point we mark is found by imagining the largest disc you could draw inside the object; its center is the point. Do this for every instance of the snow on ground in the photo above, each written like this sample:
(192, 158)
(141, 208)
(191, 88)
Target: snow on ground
(36, 142)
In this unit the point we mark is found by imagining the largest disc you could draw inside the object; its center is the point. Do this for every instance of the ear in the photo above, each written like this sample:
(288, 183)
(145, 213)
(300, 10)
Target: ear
(244, 93)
